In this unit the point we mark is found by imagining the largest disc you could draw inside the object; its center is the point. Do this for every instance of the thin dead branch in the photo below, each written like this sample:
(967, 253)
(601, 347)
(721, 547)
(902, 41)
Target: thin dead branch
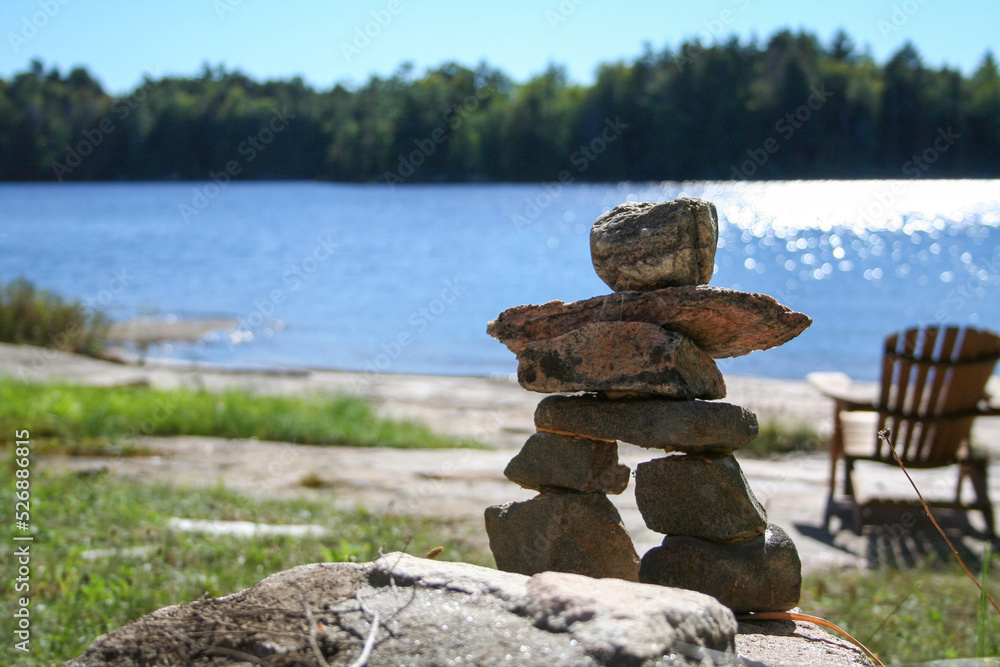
(215, 650)
(366, 650)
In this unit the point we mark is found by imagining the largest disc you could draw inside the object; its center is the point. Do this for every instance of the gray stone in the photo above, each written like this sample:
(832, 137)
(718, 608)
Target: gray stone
(552, 461)
(620, 356)
(722, 322)
(430, 614)
(690, 426)
(648, 245)
(698, 496)
(600, 614)
(762, 574)
(580, 533)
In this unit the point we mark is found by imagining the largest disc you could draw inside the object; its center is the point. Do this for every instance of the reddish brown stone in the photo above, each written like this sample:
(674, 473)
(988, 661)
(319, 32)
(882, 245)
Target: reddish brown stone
(722, 322)
(621, 357)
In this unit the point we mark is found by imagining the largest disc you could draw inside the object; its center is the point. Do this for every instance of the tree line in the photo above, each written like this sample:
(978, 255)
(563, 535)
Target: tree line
(788, 108)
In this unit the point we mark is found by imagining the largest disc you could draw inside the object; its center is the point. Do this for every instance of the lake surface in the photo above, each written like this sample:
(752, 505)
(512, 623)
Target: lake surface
(405, 279)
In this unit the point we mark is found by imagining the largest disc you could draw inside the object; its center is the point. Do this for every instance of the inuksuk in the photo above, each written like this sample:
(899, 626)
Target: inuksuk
(637, 366)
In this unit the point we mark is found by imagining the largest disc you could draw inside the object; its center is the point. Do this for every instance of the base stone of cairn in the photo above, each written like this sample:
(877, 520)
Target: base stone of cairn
(645, 358)
(759, 574)
(581, 533)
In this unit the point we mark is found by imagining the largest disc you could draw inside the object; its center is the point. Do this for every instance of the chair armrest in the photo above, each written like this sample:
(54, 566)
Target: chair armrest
(840, 387)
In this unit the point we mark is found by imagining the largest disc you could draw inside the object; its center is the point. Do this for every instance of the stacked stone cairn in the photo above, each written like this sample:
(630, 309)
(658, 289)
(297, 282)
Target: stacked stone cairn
(639, 365)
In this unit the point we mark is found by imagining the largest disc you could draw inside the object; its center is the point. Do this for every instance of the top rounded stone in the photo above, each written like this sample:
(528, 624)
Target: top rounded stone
(649, 245)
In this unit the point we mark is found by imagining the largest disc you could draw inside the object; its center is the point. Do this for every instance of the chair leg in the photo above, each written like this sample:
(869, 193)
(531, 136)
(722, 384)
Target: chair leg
(853, 508)
(848, 478)
(976, 470)
(828, 513)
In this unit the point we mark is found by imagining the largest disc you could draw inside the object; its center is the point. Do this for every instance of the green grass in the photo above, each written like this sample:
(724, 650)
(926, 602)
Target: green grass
(906, 616)
(74, 600)
(92, 420)
(776, 438)
(32, 316)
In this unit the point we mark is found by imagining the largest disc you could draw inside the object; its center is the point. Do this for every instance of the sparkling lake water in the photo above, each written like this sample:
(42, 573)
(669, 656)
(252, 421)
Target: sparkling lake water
(404, 279)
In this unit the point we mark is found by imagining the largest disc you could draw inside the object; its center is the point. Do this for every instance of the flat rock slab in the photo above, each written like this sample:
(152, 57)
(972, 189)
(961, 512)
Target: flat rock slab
(722, 322)
(430, 614)
(581, 533)
(690, 426)
(648, 245)
(704, 497)
(552, 461)
(620, 356)
(796, 643)
(762, 574)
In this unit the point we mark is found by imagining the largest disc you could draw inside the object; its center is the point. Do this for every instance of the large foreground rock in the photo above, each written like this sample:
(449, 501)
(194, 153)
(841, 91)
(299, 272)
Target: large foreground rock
(430, 614)
(762, 574)
(722, 322)
(433, 613)
(690, 426)
(698, 496)
(621, 357)
(553, 461)
(580, 533)
(648, 245)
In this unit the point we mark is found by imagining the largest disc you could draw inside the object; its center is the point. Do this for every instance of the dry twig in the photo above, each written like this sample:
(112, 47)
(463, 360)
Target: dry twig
(366, 650)
(215, 650)
(313, 643)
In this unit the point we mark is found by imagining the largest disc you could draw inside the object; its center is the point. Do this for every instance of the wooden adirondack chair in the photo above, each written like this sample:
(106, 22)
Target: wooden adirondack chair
(933, 387)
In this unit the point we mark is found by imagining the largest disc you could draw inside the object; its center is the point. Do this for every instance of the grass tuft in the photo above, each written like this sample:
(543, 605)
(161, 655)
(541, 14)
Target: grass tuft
(76, 417)
(32, 316)
(983, 611)
(776, 438)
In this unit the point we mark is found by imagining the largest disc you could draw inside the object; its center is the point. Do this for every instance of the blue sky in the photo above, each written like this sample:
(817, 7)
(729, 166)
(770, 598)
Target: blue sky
(120, 40)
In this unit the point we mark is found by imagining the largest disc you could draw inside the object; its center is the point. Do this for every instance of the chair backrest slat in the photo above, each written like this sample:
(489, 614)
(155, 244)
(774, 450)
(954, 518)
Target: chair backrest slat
(932, 381)
(936, 380)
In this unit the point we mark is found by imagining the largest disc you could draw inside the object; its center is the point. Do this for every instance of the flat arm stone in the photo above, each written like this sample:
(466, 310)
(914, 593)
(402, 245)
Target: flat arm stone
(720, 321)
